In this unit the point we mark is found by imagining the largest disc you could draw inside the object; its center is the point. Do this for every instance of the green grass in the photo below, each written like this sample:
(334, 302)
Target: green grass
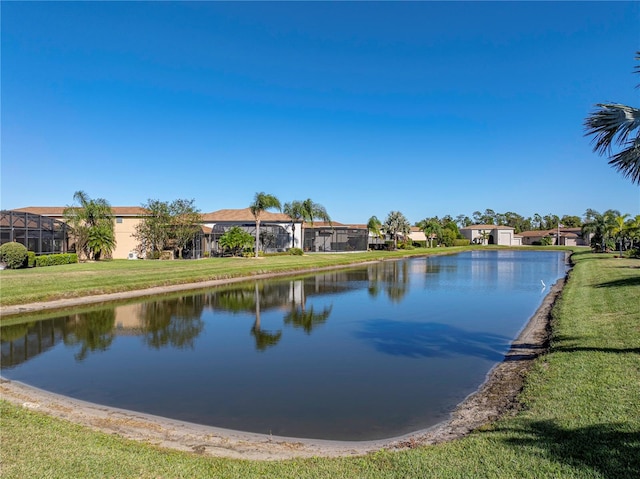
(68, 281)
(580, 416)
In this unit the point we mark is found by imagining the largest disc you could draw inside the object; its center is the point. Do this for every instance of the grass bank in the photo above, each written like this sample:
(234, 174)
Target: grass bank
(75, 280)
(580, 416)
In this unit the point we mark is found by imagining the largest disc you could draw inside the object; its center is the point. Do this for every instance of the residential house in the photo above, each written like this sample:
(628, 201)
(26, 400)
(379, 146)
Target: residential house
(491, 234)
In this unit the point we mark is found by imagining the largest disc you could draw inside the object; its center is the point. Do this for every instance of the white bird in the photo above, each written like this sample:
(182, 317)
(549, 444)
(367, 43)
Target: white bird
(543, 285)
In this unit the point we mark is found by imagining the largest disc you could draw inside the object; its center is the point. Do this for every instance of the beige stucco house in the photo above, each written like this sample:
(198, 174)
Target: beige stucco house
(126, 218)
(491, 234)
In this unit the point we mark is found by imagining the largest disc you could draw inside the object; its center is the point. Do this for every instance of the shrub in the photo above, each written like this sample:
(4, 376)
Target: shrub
(31, 259)
(461, 242)
(13, 254)
(295, 252)
(56, 259)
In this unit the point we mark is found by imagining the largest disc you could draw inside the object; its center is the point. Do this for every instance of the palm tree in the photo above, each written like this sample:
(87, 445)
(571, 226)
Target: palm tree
(261, 202)
(620, 229)
(430, 228)
(599, 226)
(92, 226)
(375, 227)
(395, 224)
(294, 211)
(484, 235)
(613, 123)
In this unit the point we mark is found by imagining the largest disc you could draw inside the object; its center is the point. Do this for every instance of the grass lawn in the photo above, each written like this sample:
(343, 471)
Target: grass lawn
(67, 281)
(580, 415)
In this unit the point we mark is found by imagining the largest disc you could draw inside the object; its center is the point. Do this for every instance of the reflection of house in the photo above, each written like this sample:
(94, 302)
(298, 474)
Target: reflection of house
(491, 234)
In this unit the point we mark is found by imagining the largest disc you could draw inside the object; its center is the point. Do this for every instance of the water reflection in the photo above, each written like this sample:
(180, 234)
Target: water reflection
(173, 323)
(92, 331)
(432, 340)
(391, 277)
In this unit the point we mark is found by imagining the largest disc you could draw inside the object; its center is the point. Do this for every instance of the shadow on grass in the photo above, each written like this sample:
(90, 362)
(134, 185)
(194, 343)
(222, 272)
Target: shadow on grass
(574, 349)
(608, 449)
(625, 282)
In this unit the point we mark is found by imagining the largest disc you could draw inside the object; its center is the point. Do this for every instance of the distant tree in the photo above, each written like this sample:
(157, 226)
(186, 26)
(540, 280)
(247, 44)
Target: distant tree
(185, 222)
(571, 221)
(92, 227)
(153, 231)
(396, 224)
(261, 202)
(536, 222)
(236, 240)
(550, 222)
(447, 237)
(613, 124)
(463, 221)
(431, 228)
(517, 222)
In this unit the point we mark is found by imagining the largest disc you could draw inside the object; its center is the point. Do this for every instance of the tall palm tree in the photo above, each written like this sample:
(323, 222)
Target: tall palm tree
(313, 211)
(92, 225)
(613, 124)
(294, 211)
(261, 202)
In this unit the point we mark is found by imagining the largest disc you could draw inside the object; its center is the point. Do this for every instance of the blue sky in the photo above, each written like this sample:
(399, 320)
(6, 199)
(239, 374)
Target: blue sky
(428, 108)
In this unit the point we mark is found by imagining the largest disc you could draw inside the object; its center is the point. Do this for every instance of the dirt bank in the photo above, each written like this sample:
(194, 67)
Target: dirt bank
(497, 396)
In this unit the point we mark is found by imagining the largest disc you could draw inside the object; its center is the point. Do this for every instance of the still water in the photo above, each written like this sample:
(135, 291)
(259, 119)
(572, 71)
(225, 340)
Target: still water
(364, 353)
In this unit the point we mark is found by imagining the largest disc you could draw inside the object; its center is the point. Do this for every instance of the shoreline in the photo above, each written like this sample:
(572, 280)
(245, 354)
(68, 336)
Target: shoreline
(496, 397)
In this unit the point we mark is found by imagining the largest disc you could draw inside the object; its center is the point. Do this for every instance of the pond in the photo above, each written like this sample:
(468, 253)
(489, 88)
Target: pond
(364, 353)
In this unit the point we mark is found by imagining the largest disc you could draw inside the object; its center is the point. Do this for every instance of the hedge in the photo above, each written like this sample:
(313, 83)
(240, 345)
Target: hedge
(461, 242)
(56, 259)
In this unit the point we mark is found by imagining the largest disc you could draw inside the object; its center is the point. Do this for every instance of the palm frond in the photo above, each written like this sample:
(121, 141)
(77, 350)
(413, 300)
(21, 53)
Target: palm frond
(627, 161)
(611, 124)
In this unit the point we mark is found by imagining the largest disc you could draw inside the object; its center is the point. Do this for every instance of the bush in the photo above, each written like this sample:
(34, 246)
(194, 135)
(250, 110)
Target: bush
(31, 259)
(13, 254)
(461, 242)
(56, 259)
(295, 252)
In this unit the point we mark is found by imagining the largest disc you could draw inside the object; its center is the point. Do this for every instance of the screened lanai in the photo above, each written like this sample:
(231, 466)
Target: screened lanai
(39, 234)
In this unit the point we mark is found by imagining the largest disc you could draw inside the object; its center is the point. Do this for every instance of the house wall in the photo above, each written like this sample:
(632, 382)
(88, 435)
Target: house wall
(125, 228)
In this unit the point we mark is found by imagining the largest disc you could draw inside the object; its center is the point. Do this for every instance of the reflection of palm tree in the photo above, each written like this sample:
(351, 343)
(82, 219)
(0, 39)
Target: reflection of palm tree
(307, 319)
(93, 331)
(264, 339)
(397, 280)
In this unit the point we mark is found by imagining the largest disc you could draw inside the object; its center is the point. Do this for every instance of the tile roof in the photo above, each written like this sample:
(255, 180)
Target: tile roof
(487, 227)
(244, 214)
(57, 211)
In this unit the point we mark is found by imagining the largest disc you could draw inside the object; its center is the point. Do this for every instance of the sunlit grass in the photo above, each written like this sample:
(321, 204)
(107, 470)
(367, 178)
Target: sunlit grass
(74, 280)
